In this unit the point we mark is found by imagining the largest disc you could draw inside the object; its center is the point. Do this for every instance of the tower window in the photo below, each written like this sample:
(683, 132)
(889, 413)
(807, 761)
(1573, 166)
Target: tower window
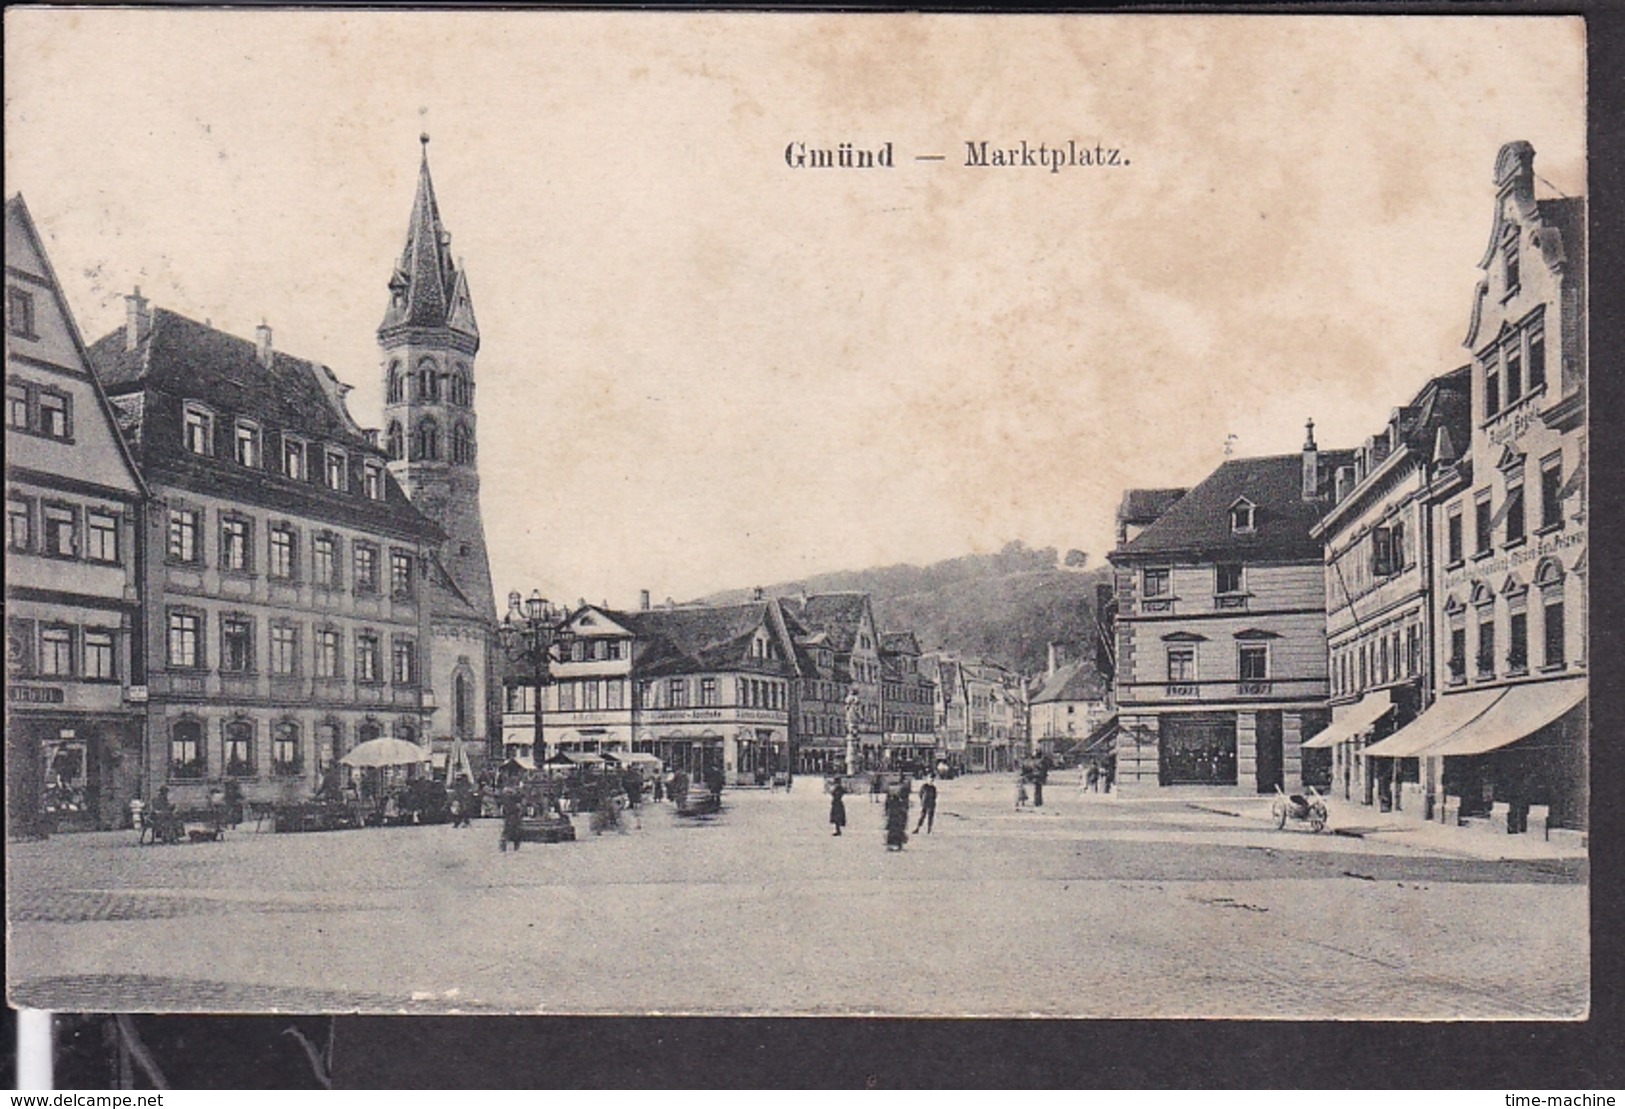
(395, 442)
(428, 381)
(427, 441)
(394, 391)
(462, 444)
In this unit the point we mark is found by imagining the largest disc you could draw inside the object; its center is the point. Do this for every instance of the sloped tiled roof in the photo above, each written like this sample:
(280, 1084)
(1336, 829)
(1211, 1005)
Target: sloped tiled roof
(1141, 506)
(899, 643)
(837, 615)
(1076, 681)
(690, 640)
(179, 359)
(1198, 524)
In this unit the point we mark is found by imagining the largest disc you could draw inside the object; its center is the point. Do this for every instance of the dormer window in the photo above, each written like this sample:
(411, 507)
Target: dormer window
(247, 444)
(199, 430)
(1243, 517)
(293, 457)
(338, 471)
(374, 481)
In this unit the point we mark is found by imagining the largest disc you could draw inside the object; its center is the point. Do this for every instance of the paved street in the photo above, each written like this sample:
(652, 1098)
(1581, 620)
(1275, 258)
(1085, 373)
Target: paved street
(1089, 907)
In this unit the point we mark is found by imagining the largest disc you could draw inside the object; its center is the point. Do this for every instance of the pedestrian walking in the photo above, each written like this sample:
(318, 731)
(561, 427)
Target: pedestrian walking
(679, 788)
(632, 782)
(877, 787)
(896, 819)
(928, 806)
(1021, 791)
(1091, 779)
(837, 807)
(513, 815)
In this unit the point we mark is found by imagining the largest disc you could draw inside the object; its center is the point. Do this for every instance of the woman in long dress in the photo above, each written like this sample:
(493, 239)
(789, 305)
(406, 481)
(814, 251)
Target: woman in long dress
(896, 819)
(837, 807)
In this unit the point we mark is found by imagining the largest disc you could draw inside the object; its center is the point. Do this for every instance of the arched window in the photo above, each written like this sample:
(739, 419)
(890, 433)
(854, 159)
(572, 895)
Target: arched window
(463, 705)
(462, 444)
(396, 391)
(186, 749)
(239, 750)
(428, 381)
(426, 446)
(394, 442)
(329, 742)
(405, 729)
(287, 754)
(370, 729)
(462, 392)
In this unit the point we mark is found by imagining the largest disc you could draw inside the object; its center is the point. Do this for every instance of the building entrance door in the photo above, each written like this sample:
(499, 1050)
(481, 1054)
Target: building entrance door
(1269, 754)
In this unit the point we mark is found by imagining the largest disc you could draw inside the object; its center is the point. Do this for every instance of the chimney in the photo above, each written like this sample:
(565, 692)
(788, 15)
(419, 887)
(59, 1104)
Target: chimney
(137, 319)
(1054, 659)
(756, 594)
(643, 600)
(262, 343)
(1311, 463)
(1444, 451)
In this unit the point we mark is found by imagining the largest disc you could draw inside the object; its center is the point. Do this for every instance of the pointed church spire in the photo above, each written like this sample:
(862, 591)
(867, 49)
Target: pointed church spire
(425, 287)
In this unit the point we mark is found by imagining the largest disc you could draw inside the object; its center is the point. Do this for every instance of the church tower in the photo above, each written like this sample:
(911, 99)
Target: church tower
(427, 342)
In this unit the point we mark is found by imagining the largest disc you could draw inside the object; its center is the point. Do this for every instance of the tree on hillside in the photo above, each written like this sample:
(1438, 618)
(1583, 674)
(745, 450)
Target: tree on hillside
(1075, 559)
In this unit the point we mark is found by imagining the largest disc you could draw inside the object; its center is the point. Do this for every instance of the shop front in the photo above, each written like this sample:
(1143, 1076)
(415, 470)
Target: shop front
(1501, 753)
(72, 772)
(1197, 749)
(694, 753)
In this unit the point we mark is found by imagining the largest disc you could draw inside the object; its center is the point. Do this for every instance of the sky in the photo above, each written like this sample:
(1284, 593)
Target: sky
(702, 368)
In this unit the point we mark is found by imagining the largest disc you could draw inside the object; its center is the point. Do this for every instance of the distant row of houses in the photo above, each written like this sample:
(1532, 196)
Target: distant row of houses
(1402, 623)
(759, 689)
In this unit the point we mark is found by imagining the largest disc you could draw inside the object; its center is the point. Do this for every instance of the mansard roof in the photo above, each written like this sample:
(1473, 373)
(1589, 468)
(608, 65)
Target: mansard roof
(178, 359)
(427, 289)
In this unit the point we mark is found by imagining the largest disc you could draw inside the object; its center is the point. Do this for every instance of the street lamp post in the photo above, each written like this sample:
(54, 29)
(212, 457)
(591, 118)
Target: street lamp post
(530, 631)
(852, 731)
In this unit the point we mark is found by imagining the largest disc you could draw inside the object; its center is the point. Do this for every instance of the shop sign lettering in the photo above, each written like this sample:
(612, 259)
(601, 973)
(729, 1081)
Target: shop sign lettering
(1500, 564)
(35, 694)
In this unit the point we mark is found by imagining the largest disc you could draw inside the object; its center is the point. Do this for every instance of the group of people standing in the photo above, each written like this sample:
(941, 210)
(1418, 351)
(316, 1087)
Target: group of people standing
(898, 803)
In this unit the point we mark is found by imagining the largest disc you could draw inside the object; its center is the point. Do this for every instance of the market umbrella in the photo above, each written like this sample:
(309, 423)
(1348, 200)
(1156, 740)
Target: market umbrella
(386, 752)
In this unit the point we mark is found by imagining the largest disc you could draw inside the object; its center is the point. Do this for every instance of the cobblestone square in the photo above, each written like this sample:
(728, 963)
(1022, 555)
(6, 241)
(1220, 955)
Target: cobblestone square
(1088, 907)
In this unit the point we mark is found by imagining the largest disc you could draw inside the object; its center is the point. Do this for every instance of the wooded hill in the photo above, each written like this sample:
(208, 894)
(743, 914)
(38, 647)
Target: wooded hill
(1005, 607)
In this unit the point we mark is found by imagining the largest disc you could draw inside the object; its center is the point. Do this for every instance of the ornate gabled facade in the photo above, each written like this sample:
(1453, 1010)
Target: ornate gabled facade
(428, 341)
(74, 664)
(1507, 731)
